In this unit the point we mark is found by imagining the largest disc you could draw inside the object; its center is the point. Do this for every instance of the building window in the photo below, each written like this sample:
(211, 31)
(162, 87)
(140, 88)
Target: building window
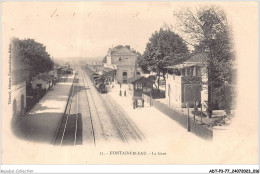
(192, 71)
(22, 105)
(124, 77)
(183, 72)
(198, 72)
(187, 71)
(39, 86)
(22, 102)
(138, 86)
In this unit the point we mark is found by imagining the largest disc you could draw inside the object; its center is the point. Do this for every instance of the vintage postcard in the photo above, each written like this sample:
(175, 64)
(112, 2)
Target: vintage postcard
(129, 83)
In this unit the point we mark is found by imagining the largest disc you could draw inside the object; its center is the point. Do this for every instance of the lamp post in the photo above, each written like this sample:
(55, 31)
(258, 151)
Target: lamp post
(201, 114)
(188, 118)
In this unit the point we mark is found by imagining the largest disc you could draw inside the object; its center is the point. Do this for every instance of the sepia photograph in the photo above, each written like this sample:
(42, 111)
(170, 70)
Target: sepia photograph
(129, 83)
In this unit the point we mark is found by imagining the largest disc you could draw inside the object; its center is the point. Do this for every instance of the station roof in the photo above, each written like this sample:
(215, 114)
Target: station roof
(199, 58)
(136, 78)
(123, 51)
(107, 69)
(43, 76)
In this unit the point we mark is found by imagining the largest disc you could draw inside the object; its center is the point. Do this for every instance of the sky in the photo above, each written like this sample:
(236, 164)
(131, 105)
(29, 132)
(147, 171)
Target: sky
(89, 29)
(86, 29)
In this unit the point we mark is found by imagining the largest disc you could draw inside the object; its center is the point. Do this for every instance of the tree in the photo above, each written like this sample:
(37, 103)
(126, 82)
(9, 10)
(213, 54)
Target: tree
(142, 64)
(164, 48)
(104, 60)
(207, 29)
(34, 54)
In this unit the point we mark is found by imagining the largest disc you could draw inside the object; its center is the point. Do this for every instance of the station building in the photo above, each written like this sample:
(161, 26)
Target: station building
(124, 61)
(187, 82)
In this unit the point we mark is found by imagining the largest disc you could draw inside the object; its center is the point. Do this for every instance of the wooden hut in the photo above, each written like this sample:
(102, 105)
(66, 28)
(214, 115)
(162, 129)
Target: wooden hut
(137, 86)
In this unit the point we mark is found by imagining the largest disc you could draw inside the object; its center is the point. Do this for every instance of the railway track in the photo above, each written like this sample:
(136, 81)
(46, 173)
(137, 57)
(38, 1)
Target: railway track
(69, 133)
(89, 111)
(86, 85)
(126, 128)
(133, 128)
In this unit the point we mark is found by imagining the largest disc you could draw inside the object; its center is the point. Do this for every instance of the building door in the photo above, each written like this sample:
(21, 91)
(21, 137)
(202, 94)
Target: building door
(22, 105)
(169, 94)
(14, 108)
(124, 77)
(192, 92)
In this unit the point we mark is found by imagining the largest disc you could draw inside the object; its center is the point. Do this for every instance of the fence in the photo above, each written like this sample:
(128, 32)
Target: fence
(196, 128)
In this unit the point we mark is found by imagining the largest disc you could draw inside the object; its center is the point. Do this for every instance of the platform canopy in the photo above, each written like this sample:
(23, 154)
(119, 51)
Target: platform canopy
(134, 79)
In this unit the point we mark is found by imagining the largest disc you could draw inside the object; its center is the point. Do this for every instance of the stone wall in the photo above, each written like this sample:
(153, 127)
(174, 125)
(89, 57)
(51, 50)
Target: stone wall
(18, 99)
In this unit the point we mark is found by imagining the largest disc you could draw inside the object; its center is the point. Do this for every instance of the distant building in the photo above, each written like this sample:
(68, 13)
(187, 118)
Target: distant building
(124, 61)
(43, 81)
(53, 73)
(66, 66)
(108, 73)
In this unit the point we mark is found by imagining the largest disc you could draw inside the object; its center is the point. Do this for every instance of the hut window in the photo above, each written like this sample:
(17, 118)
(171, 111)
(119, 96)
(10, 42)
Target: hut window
(183, 72)
(198, 72)
(187, 71)
(192, 71)
(138, 86)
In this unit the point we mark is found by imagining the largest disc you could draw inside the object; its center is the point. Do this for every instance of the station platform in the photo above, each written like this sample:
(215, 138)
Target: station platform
(147, 118)
(217, 115)
(41, 122)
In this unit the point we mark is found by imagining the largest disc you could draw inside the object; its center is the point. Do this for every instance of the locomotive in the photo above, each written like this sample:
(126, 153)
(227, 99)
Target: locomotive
(97, 80)
(101, 87)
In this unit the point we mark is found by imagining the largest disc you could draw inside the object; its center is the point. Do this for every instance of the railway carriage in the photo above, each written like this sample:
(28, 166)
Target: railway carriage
(98, 80)
(95, 78)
